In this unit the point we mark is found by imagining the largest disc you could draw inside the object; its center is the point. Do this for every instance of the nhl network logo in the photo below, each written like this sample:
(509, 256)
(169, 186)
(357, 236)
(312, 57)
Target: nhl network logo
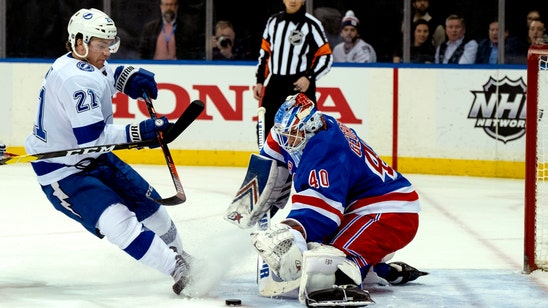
(500, 108)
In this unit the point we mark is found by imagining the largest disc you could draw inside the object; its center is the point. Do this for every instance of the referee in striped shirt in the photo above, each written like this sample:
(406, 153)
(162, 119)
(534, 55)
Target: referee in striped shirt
(295, 53)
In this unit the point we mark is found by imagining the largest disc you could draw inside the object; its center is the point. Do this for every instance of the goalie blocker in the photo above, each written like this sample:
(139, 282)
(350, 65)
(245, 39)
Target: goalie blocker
(265, 185)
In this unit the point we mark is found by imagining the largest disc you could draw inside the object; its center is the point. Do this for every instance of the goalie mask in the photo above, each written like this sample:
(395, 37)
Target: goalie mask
(92, 23)
(296, 122)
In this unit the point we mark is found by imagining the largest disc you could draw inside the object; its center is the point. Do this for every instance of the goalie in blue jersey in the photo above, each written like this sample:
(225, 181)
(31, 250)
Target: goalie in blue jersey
(100, 191)
(350, 211)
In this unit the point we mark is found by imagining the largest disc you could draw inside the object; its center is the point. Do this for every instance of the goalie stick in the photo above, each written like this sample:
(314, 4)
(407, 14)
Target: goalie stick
(269, 283)
(263, 270)
(260, 126)
(179, 196)
(265, 189)
(189, 115)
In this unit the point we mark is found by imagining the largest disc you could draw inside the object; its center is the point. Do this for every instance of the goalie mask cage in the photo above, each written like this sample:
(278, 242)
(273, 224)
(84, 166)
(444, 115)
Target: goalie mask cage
(536, 161)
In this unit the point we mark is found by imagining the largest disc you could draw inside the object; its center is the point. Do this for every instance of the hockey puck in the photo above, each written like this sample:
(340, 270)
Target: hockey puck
(233, 302)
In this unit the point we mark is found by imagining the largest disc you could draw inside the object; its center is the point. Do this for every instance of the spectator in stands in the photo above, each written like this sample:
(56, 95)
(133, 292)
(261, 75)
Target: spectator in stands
(458, 49)
(171, 36)
(532, 15)
(523, 34)
(353, 48)
(422, 51)
(421, 9)
(536, 32)
(488, 47)
(225, 44)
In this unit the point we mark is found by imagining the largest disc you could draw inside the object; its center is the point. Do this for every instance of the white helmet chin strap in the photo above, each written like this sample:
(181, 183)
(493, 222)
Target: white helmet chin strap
(85, 47)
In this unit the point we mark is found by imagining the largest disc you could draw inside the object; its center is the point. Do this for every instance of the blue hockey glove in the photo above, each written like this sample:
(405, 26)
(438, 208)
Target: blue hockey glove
(147, 129)
(133, 82)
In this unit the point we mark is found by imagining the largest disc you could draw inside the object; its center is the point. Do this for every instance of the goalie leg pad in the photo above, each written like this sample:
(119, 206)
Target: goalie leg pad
(279, 248)
(265, 184)
(320, 262)
(340, 296)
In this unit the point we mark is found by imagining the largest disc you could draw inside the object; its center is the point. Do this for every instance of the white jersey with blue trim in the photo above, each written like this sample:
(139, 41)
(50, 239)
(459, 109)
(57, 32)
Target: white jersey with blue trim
(74, 109)
(339, 174)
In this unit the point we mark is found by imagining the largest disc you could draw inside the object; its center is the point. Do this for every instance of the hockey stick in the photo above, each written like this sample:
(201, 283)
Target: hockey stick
(179, 196)
(263, 270)
(269, 283)
(188, 116)
(260, 125)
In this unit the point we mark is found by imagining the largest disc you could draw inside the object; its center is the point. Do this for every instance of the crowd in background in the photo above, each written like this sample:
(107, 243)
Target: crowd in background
(37, 29)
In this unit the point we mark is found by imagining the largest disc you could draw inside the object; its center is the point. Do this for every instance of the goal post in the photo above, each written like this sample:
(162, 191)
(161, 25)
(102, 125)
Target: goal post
(536, 161)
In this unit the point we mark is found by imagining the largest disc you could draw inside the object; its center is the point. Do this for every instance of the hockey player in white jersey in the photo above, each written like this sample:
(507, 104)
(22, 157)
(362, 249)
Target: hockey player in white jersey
(350, 211)
(101, 192)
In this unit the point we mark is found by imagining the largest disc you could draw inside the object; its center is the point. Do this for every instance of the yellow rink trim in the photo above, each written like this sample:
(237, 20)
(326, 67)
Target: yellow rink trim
(440, 166)
(499, 169)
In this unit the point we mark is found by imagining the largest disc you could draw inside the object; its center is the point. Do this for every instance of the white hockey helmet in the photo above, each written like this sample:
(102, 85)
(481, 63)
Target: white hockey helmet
(92, 23)
(296, 122)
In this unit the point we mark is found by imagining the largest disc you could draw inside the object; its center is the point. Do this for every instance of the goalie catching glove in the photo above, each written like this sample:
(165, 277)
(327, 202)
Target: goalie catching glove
(281, 247)
(133, 82)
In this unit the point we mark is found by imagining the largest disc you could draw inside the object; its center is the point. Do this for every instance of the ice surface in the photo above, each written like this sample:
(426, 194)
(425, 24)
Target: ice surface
(470, 239)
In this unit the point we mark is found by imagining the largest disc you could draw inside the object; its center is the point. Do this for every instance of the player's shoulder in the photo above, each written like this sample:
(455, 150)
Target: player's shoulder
(328, 140)
(77, 72)
(68, 65)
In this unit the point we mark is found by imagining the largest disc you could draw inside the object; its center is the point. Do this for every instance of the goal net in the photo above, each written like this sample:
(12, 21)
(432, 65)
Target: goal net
(536, 161)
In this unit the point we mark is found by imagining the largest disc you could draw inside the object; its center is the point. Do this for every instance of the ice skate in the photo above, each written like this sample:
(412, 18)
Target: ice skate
(401, 272)
(181, 274)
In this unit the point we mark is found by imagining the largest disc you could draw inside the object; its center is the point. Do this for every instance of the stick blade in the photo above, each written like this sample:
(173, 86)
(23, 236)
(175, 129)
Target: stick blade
(178, 198)
(189, 115)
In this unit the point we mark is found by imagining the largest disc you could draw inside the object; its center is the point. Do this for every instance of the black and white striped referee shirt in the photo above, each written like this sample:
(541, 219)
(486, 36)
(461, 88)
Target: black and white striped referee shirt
(294, 44)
